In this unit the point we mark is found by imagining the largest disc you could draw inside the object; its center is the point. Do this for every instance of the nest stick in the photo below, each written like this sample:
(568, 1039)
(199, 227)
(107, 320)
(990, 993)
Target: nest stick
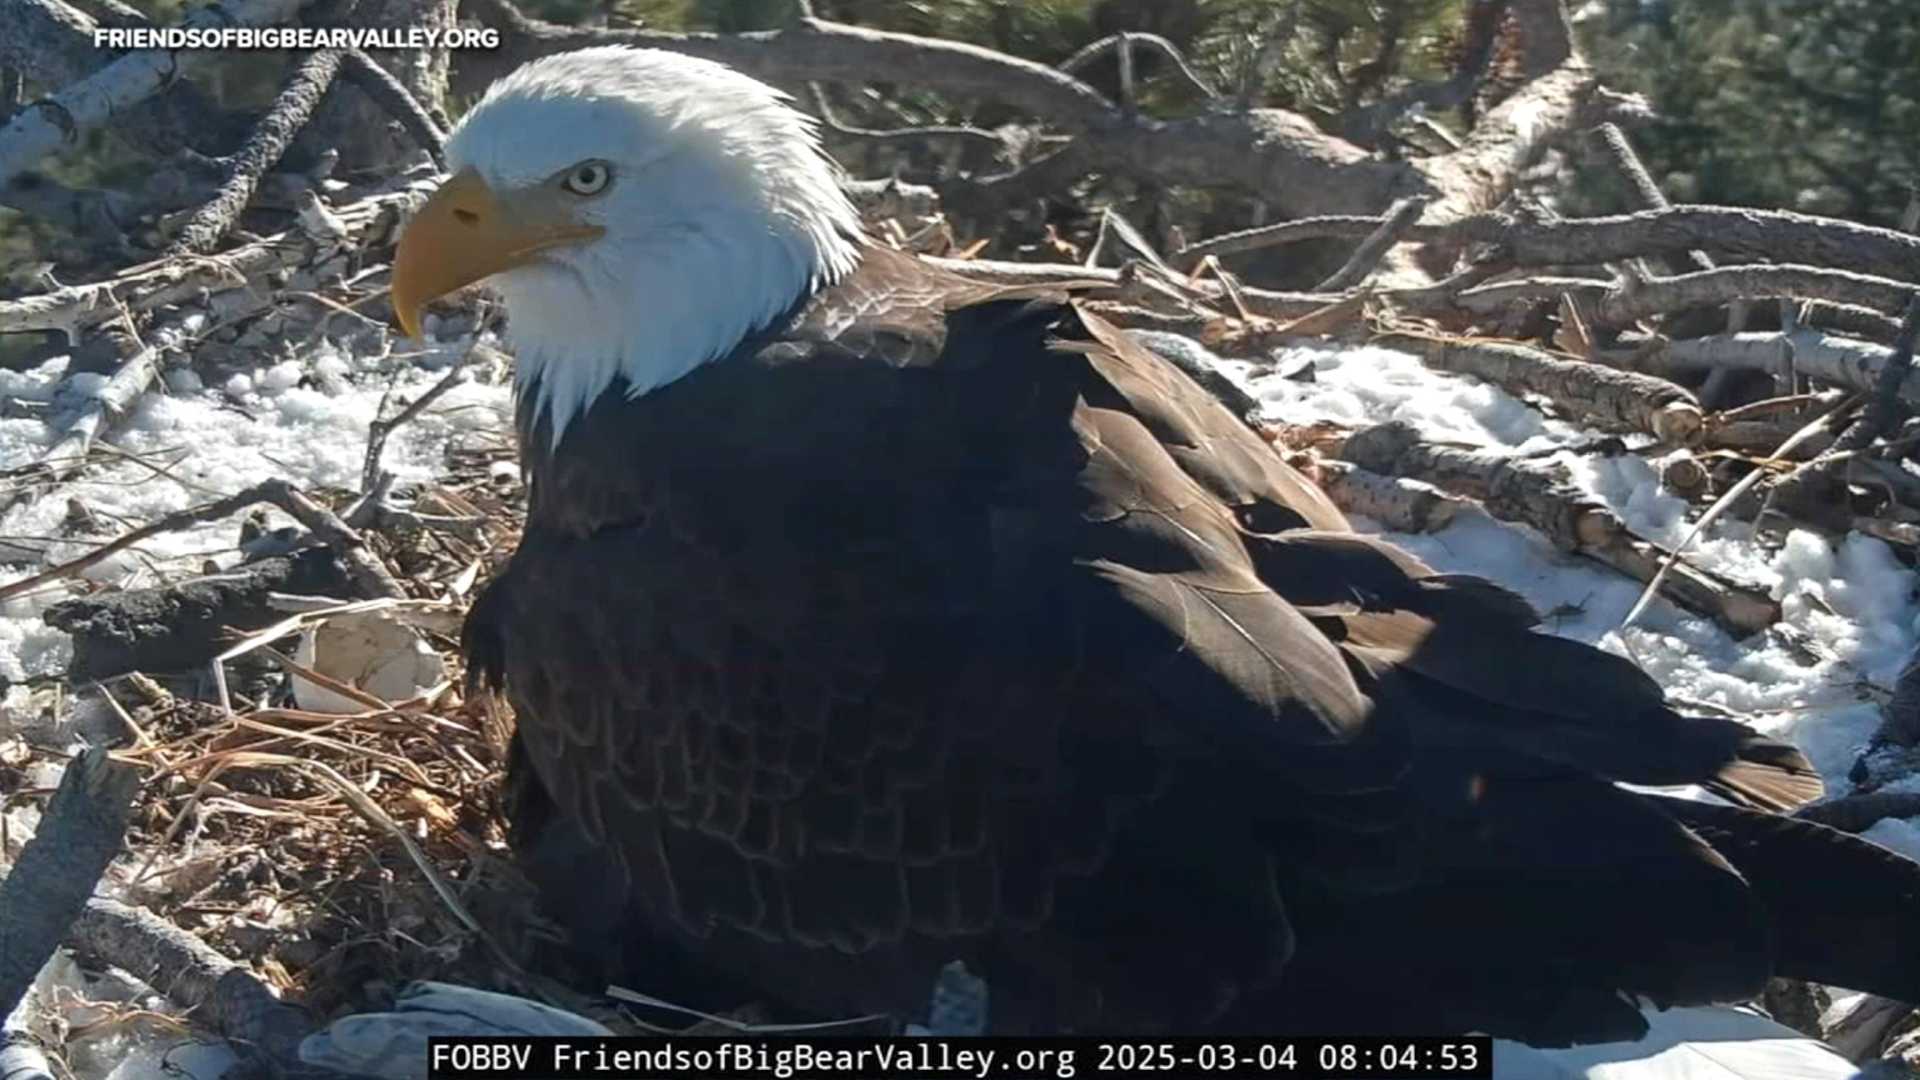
(365, 569)
(390, 94)
(58, 869)
(1627, 163)
(193, 975)
(1719, 507)
(21, 1057)
(1403, 216)
(1884, 406)
(289, 113)
(379, 429)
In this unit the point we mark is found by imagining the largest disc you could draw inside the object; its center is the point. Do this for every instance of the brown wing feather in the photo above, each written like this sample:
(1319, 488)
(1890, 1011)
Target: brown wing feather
(1005, 643)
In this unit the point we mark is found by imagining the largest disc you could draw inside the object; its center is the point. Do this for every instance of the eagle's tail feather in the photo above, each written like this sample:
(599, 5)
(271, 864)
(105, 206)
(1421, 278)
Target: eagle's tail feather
(1551, 905)
(1841, 909)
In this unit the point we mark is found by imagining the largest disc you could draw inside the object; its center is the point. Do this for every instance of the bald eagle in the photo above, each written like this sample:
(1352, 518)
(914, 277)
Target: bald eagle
(867, 619)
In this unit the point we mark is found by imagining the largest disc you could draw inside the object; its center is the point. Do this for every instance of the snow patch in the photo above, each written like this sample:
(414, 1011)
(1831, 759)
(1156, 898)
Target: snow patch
(1854, 599)
(213, 443)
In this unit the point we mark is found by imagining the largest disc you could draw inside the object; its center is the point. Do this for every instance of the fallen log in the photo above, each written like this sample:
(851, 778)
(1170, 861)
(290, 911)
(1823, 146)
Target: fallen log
(1827, 358)
(1532, 492)
(1394, 501)
(1603, 396)
(85, 823)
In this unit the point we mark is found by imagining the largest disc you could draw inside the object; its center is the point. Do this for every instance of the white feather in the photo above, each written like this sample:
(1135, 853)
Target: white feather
(722, 213)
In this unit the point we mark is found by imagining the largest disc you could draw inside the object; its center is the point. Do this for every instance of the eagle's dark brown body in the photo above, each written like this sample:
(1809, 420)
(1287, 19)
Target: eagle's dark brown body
(947, 624)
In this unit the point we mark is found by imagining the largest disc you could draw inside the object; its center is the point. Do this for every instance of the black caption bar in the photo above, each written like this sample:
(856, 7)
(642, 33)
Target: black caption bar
(561, 1058)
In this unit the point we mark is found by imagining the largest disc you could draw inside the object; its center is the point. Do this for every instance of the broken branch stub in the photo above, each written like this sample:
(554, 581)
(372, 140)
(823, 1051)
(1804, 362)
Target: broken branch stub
(1399, 503)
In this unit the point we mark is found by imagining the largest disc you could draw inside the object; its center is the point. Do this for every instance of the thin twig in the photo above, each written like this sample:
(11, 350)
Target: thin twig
(987, 140)
(1324, 227)
(1115, 42)
(1720, 506)
(1401, 217)
(378, 429)
(320, 521)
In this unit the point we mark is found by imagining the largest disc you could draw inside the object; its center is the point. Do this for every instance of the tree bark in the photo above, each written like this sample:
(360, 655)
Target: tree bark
(59, 868)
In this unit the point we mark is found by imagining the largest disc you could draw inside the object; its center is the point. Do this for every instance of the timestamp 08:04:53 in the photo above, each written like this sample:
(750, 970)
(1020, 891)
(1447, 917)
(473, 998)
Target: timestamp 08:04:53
(1382, 1058)
(985, 1058)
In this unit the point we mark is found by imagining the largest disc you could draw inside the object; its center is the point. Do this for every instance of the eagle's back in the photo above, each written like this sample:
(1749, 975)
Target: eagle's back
(945, 622)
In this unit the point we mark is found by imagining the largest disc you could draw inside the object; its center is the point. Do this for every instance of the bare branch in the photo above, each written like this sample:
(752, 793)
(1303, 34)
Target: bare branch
(369, 576)
(298, 97)
(114, 399)
(1402, 216)
(115, 13)
(1153, 41)
(1528, 491)
(1269, 152)
(379, 84)
(1598, 394)
(1613, 142)
(1394, 501)
(59, 120)
(1769, 235)
(1624, 303)
(228, 281)
(814, 49)
(48, 886)
(221, 993)
(1883, 407)
(47, 41)
(986, 140)
(1828, 358)
(51, 44)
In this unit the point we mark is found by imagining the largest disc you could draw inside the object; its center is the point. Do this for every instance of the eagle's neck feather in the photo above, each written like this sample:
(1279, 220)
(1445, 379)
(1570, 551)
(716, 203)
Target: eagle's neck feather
(641, 315)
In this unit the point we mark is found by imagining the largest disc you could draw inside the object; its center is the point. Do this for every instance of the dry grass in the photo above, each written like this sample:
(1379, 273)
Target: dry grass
(340, 856)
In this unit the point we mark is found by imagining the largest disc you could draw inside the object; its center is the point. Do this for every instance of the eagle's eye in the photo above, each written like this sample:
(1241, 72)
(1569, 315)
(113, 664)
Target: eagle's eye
(588, 178)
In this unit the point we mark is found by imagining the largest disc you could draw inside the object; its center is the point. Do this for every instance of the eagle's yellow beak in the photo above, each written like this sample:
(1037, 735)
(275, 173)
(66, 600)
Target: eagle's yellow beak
(466, 232)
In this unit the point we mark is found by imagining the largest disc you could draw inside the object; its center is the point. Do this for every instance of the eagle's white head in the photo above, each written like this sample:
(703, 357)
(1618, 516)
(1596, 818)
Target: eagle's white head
(640, 212)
